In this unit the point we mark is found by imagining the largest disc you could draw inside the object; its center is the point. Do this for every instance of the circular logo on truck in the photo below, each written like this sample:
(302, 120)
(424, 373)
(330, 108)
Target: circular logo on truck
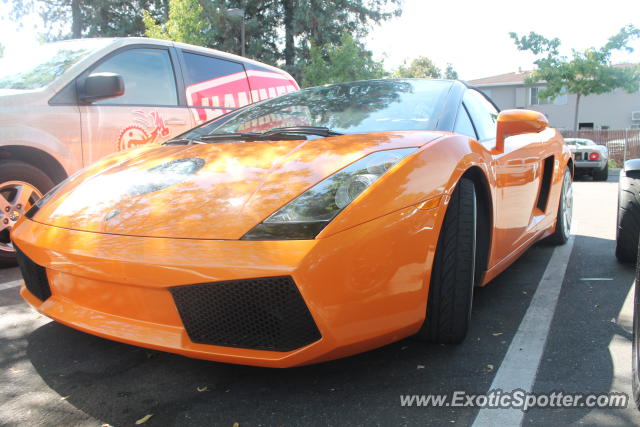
(148, 128)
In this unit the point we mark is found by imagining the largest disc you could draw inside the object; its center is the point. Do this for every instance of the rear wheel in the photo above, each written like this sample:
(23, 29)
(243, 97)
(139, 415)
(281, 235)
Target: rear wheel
(565, 212)
(21, 185)
(452, 276)
(601, 174)
(628, 219)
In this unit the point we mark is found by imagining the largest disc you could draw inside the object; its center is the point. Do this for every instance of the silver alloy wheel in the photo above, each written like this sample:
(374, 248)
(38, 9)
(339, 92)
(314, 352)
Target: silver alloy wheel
(567, 203)
(16, 197)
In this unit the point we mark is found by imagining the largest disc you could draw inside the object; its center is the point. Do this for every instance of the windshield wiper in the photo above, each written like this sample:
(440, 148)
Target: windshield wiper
(302, 130)
(283, 133)
(183, 141)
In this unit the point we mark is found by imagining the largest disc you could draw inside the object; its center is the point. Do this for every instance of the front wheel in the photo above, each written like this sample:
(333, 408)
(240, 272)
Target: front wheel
(565, 212)
(21, 185)
(452, 275)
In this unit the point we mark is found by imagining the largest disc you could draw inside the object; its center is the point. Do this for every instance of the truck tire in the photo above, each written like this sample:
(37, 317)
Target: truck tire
(21, 185)
(635, 342)
(452, 276)
(628, 228)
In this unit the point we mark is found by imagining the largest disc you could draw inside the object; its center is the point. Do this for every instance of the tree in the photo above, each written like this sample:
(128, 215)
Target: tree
(322, 22)
(186, 23)
(423, 67)
(279, 32)
(207, 23)
(586, 73)
(89, 18)
(344, 62)
(450, 73)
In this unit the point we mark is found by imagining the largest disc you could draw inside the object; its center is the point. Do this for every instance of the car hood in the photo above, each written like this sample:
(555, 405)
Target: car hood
(205, 191)
(20, 97)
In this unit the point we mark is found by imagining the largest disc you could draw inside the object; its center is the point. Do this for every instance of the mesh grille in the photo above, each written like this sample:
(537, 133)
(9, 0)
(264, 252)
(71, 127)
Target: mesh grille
(266, 313)
(35, 276)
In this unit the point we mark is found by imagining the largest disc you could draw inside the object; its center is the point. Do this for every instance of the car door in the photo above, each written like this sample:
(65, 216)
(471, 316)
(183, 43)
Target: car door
(517, 172)
(148, 112)
(213, 86)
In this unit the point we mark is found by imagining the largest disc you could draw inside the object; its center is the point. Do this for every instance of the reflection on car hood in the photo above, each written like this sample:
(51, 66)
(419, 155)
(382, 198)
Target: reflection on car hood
(210, 191)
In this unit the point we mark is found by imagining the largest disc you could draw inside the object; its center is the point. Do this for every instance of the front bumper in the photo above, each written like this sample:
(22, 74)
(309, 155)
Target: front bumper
(364, 287)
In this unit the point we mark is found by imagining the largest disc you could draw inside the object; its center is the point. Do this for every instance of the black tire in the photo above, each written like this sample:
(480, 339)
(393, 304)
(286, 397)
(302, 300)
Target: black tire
(15, 170)
(635, 342)
(601, 174)
(628, 228)
(563, 228)
(452, 277)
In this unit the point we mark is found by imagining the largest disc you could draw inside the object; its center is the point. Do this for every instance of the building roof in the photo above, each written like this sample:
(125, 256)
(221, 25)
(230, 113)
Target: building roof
(518, 78)
(502, 79)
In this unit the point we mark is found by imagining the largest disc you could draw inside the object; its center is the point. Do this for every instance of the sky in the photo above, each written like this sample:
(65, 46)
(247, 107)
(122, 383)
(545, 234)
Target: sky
(472, 35)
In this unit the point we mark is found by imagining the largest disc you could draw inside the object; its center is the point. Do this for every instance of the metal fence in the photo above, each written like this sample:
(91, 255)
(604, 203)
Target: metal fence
(622, 144)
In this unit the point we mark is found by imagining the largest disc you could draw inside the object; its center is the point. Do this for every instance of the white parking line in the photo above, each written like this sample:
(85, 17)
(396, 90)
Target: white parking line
(10, 285)
(520, 365)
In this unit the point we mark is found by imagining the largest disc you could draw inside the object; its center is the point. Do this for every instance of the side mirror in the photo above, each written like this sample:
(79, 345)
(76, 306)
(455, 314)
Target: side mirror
(101, 86)
(517, 122)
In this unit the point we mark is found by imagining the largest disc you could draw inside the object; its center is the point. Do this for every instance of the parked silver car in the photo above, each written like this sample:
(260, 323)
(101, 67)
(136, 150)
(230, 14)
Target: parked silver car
(589, 158)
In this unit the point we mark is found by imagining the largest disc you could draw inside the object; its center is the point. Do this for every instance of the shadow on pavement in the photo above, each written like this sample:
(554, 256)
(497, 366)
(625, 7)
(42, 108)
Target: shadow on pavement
(577, 358)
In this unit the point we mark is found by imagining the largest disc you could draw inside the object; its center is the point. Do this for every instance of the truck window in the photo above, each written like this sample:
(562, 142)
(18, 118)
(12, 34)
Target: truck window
(148, 77)
(215, 82)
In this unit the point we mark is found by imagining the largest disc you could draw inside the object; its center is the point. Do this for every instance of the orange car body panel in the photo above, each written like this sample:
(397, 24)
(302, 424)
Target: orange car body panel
(364, 279)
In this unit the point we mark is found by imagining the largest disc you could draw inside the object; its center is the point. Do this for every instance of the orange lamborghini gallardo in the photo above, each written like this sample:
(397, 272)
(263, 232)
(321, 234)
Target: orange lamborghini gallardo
(304, 228)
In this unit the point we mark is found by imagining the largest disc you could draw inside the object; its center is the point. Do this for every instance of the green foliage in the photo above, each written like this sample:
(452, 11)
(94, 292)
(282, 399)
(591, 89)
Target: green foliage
(585, 73)
(450, 73)
(268, 23)
(344, 62)
(186, 23)
(422, 67)
(1, 50)
(89, 18)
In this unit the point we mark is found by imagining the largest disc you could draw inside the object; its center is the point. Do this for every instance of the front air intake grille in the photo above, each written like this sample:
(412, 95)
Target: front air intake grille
(265, 313)
(35, 276)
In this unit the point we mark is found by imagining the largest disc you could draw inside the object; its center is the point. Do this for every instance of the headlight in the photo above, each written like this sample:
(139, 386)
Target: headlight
(305, 216)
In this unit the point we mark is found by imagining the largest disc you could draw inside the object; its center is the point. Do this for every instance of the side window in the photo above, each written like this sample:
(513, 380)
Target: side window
(214, 82)
(463, 124)
(147, 74)
(483, 114)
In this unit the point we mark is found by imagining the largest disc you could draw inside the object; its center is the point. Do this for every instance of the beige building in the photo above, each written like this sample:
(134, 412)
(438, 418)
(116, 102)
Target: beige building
(614, 110)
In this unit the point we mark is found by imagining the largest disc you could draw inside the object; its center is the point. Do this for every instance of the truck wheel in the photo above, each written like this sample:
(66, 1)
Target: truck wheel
(452, 276)
(601, 174)
(635, 360)
(628, 219)
(21, 185)
(565, 212)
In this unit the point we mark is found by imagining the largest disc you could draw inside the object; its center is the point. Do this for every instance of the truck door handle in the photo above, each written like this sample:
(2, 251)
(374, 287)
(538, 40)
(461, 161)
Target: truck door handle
(175, 122)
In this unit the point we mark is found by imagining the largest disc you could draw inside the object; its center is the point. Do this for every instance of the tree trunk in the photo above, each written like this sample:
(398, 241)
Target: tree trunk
(76, 19)
(575, 118)
(289, 47)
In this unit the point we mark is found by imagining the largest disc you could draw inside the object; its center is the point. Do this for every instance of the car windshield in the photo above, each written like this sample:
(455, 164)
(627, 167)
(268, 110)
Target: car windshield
(357, 107)
(581, 142)
(45, 63)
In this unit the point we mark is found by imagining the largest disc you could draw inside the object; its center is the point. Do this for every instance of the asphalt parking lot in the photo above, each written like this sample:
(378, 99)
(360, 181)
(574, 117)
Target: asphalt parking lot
(543, 325)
